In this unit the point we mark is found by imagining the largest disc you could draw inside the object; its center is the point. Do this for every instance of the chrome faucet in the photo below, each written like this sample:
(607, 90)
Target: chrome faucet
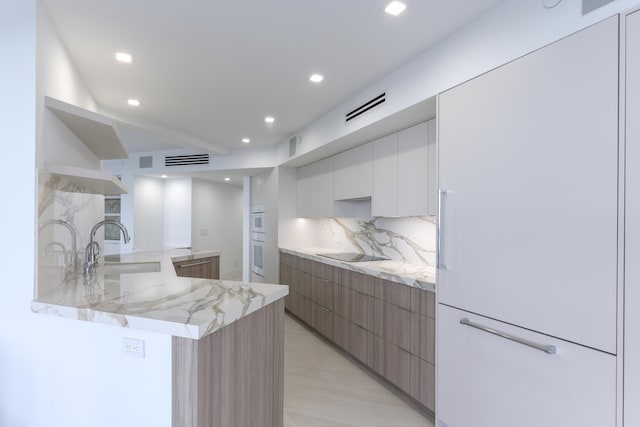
(74, 251)
(93, 248)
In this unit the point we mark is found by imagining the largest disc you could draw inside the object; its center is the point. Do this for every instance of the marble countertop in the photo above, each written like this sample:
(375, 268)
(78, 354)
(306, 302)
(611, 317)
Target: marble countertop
(415, 275)
(157, 301)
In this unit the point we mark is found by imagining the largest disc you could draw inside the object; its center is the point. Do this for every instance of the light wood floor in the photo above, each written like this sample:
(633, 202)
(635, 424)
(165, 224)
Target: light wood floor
(323, 388)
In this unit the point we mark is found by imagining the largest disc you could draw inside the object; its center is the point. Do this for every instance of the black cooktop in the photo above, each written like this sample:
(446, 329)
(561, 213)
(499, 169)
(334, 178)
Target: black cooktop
(353, 257)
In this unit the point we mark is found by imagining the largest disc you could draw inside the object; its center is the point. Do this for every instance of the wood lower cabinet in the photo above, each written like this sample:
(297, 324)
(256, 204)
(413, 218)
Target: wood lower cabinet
(388, 327)
(199, 268)
(233, 377)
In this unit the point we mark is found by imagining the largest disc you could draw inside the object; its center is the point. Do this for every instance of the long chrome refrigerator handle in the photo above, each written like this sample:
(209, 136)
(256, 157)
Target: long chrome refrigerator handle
(549, 349)
(441, 193)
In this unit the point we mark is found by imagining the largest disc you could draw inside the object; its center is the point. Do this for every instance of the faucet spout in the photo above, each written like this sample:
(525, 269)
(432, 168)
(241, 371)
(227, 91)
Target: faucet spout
(93, 248)
(72, 231)
(125, 233)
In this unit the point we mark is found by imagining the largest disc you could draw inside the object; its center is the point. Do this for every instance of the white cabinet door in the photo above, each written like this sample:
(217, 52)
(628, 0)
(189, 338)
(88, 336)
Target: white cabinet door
(413, 165)
(484, 380)
(352, 173)
(632, 224)
(432, 192)
(315, 190)
(528, 155)
(384, 199)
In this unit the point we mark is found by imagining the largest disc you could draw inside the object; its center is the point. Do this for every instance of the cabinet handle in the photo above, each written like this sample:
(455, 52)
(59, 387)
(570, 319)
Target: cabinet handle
(193, 264)
(549, 349)
(439, 263)
(324, 309)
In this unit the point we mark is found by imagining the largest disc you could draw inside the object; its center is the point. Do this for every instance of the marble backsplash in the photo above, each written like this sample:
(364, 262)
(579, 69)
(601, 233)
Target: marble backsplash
(410, 239)
(59, 200)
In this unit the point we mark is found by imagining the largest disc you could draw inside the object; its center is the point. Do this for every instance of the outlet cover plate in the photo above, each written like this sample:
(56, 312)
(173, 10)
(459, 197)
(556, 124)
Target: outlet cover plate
(133, 347)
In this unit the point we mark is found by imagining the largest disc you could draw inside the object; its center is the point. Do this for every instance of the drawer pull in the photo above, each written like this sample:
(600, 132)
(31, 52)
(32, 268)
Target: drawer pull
(193, 264)
(549, 349)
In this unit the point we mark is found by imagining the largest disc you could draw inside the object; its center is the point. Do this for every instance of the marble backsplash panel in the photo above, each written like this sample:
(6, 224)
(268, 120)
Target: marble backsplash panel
(58, 200)
(410, 239)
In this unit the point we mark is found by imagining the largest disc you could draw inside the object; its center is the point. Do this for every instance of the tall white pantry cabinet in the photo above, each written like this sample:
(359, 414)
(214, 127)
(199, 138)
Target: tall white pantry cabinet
(529, 273)
(632, 222)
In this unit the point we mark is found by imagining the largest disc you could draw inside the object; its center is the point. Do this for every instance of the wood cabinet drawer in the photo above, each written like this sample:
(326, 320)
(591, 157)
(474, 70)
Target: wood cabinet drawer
(362, 283)
(322, 320)
(300, 282)
(397, 364)
(361, 310)
(501, 383)
(423, 302)
(422, 341)
(422, 382)
(359, 344)
(340, 331)
(397, 322)
(398, 294)
(301, 307)
(322, 292)
(342, 300)
(199, 268)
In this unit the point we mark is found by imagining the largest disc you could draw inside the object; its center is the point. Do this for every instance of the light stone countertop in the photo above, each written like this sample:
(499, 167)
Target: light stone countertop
(415, 275)
(157, 302)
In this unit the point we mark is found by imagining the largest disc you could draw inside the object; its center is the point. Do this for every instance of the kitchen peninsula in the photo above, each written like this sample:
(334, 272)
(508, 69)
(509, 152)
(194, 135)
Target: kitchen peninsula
(227, 337)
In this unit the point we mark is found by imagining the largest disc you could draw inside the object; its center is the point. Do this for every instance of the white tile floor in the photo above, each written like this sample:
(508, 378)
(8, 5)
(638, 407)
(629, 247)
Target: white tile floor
(323, 388)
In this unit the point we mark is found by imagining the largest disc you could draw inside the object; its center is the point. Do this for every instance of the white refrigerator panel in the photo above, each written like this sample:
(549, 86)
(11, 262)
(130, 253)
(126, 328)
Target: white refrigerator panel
(632, 224)
(485, 380)
(528, 157)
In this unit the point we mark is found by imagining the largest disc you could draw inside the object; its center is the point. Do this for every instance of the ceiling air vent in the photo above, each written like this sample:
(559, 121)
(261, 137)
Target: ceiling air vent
(372, 103)
(187, 160)
(591, 5)
(293, 145)
(146, 162)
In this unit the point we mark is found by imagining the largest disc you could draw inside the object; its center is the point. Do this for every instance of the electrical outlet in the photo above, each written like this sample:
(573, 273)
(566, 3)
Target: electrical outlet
(133, 347)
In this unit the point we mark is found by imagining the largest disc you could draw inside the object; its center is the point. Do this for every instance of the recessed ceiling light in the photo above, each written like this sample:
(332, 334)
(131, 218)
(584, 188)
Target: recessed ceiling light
(246, 140)
(269, 119)
(124, 57)
(164, 176)
(227, 179)
(316, 78)
(395, 8)
(133, 102)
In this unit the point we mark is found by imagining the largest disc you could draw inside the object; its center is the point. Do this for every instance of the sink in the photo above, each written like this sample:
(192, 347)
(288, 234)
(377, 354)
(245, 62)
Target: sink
(113, 268)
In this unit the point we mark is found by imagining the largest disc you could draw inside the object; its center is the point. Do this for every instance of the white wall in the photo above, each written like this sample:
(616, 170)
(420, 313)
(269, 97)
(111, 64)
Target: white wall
(216, 222)
(148, 210)
(177, 212)
(57, 372)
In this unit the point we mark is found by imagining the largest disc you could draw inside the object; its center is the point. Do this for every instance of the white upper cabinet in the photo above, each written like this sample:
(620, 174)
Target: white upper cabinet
(352, 173)
(384, 201)
(413, 166)
(315, 189)
(404, 172)
(391, 176)
(529, 161)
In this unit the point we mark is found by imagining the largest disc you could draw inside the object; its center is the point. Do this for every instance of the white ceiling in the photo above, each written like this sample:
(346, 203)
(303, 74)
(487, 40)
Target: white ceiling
(213, 70)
